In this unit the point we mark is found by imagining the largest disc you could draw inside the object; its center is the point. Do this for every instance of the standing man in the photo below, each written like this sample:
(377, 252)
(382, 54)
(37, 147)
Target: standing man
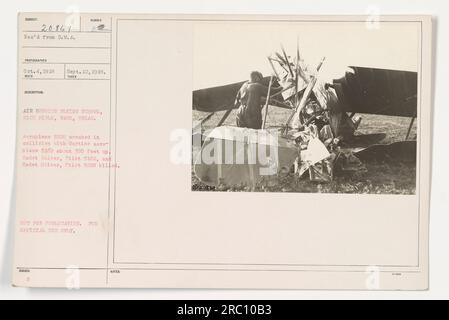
(249, 99)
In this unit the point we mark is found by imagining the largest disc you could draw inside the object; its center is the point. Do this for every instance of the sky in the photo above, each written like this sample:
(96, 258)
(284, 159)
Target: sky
(225, 52)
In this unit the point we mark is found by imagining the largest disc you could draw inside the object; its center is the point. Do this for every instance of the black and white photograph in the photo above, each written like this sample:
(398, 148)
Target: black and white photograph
(309, 107)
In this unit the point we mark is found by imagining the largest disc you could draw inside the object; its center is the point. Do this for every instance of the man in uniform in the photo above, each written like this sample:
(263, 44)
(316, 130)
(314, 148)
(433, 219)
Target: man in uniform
(249, 99)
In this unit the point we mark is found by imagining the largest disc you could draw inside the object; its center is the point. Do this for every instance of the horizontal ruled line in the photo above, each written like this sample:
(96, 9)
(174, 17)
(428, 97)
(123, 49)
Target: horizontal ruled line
(38, 62)
(213, 269)
(64, 79)
(51, 47)
(68, 32)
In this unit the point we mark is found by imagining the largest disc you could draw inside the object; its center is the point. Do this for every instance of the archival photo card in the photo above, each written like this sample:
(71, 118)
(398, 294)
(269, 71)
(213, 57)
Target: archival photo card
(223, 151)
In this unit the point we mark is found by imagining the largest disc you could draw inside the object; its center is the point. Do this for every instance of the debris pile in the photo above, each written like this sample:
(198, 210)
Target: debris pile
(317, 122)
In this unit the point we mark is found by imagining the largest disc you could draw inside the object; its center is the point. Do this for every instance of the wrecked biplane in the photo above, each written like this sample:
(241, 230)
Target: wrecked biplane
(318, 135)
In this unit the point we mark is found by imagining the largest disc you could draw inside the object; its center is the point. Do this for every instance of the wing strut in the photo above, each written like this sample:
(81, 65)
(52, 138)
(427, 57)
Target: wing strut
(410, 128)
(225, 116)
(266, 103)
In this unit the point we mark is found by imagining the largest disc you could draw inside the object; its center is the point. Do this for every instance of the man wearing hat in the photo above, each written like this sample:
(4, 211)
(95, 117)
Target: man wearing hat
(249, 99)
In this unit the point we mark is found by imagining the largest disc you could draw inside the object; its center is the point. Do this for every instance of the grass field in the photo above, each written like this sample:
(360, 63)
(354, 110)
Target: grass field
(380, 177)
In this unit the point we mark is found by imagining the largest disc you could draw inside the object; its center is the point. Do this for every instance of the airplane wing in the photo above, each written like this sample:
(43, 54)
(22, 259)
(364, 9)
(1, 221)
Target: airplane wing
(365, 90)
(219, 98)
(378, 91)
(216, 98)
